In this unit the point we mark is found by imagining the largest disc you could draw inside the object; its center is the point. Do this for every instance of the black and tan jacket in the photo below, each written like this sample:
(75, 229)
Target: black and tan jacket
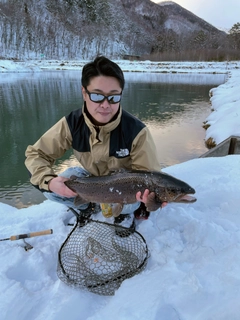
(122, 143)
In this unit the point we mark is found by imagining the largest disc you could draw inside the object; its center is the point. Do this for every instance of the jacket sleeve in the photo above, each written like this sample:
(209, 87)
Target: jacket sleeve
(144, 153)
(41, 156)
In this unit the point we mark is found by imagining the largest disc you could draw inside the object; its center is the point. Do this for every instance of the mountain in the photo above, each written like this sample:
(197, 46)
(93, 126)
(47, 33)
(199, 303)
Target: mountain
(182, 21)
(80, 29)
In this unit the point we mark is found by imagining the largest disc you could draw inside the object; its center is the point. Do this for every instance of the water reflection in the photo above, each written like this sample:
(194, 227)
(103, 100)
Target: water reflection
(173, 106)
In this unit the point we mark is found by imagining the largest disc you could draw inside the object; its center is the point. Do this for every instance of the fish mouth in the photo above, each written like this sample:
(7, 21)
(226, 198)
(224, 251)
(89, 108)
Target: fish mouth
(185, 198)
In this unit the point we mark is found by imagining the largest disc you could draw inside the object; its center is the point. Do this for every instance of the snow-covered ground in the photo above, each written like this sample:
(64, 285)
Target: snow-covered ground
(194, 266)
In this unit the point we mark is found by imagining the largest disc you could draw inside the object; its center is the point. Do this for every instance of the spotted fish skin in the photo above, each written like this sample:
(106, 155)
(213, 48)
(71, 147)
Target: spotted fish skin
(121, 187)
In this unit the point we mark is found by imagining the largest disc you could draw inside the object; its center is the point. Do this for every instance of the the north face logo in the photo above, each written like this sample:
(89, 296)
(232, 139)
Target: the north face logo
(122, 153)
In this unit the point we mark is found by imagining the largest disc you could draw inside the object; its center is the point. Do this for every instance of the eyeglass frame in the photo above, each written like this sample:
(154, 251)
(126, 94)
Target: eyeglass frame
(104, 97)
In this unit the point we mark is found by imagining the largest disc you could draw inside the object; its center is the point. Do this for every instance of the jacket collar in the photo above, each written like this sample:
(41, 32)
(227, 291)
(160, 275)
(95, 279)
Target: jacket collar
(105, 128)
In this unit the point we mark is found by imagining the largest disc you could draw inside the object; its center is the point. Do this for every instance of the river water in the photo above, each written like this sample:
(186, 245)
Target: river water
(174, 107)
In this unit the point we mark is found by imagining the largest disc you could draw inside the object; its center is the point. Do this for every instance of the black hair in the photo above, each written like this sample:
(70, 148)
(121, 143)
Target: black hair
(102, 66)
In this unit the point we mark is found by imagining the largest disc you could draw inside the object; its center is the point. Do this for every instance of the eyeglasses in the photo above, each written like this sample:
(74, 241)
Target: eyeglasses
(97, 97)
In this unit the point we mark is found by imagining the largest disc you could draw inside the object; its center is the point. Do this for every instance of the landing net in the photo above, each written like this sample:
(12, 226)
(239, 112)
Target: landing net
(99, 256)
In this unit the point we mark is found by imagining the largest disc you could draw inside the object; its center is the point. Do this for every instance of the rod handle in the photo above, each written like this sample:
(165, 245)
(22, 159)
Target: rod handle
(32, 234)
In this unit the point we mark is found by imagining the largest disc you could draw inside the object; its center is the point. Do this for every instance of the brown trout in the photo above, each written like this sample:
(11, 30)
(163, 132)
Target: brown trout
(121, 186)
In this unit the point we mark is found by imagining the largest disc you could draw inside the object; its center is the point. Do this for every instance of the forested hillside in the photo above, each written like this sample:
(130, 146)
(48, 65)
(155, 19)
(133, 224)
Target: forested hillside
(80, 29)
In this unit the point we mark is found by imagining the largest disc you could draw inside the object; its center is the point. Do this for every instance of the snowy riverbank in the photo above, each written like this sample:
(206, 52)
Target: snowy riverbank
(127, 66)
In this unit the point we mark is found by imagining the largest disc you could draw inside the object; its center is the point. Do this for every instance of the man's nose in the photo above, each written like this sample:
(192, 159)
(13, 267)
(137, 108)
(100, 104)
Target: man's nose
(105, 103)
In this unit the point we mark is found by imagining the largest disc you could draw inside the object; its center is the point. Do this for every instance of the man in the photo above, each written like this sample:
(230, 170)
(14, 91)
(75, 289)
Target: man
(103, 136)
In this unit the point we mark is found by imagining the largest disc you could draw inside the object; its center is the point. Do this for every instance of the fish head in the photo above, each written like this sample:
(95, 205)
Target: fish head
(176, 195)
(171, 189)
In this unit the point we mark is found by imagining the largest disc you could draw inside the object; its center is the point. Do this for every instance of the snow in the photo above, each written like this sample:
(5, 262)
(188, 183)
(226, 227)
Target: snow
(194, 266)
(225, 102)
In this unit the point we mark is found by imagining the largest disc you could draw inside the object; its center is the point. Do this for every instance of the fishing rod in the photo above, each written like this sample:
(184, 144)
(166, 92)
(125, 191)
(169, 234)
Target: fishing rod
(29, 235)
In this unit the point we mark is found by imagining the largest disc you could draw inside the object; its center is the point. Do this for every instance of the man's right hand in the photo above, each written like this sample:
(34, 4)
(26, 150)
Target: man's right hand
(58, 186)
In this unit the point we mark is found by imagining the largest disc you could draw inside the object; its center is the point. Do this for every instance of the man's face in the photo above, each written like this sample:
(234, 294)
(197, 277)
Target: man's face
(102, 112)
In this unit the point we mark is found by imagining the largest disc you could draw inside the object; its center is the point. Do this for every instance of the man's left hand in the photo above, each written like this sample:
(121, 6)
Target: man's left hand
(144, 197)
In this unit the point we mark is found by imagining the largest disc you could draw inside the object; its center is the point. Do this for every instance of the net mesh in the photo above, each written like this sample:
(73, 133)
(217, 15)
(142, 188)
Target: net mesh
(99, 256)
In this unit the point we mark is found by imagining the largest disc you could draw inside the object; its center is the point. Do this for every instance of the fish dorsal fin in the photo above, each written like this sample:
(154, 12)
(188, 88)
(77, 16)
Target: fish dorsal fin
(117, 170)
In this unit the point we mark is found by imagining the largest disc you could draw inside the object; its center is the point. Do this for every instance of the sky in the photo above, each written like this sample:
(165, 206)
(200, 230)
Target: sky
(193, 266)
(222, 14)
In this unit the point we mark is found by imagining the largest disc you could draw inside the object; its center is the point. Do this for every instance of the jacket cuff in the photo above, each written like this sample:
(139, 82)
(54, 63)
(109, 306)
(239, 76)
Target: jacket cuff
(45, 183)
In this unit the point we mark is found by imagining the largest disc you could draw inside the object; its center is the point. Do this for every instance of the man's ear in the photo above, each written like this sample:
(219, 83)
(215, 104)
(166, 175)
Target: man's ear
(84, 93)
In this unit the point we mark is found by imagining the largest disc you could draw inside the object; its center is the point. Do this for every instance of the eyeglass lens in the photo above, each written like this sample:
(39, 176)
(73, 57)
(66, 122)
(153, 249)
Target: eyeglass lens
(97, 97)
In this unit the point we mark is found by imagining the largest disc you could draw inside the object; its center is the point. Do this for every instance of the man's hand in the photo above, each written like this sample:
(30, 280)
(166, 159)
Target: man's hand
(57, 185)
(144, 197)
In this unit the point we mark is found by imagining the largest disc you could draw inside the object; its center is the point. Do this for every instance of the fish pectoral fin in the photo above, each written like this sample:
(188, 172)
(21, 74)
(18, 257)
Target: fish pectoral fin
(152, 204)
(79, 200)
(116, 209)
